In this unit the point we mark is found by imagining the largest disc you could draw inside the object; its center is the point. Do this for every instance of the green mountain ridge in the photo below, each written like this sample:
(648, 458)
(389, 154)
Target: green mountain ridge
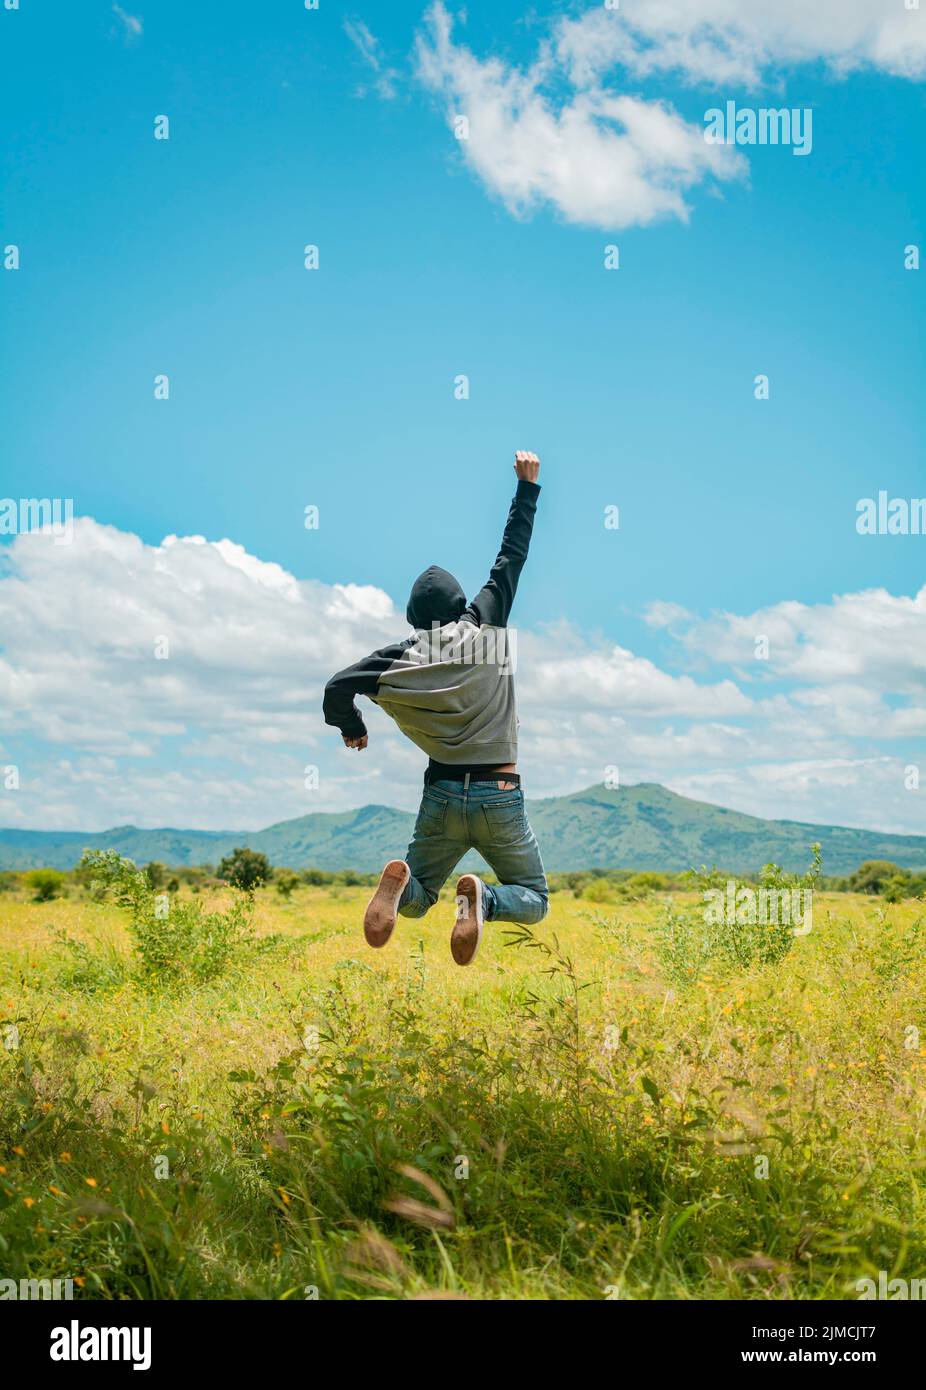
(639, 827)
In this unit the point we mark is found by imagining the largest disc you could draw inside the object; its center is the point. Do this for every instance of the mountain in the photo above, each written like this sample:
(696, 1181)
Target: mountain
(640, 827)
(648, 827)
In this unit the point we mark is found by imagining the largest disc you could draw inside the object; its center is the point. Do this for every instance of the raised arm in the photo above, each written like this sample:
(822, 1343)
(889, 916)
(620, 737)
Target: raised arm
(492, 605)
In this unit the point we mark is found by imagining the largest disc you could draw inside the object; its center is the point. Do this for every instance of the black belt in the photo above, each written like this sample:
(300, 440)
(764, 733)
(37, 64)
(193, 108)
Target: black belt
(460, 774)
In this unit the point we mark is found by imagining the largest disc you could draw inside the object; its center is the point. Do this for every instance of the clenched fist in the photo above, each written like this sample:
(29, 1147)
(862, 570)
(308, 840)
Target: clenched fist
(355, 742)
(526, 465)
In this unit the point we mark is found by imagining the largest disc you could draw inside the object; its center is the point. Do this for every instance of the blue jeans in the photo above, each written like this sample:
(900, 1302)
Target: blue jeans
(454, 818)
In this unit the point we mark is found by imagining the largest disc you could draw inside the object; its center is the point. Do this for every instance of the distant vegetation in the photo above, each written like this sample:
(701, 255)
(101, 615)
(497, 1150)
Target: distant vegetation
(247, 870)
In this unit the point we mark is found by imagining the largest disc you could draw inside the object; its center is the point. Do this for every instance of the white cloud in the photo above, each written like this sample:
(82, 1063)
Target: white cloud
(132, 25)
(371, 51)
(872, 635)
(600, 158)
(250, 648)
(868, 793)
(727, 41)
(566, 132)
(218, 736)
(565, 673)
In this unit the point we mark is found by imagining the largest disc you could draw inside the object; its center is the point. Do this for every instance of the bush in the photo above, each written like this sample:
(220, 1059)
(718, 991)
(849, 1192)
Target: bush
(895, 889)
(46, 884)
(155, 873)
(287, 882)
(875, 874)
(647, 883)
(316, 878)
(688, 940)
(350, 878)
(89, 972)
(246, 869)
(174, 942)
(600, 890)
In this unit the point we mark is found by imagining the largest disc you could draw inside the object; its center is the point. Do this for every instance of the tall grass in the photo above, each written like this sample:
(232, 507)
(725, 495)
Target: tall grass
(570, 1117)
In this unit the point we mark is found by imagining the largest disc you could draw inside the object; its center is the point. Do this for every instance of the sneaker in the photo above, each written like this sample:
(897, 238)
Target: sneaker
(379, 918)
(467, 931)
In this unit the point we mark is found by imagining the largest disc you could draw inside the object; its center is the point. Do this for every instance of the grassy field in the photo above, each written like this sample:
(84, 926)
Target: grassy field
(577, 1115)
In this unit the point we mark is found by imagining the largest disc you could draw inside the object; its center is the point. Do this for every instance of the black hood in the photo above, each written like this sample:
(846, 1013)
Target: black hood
(436, 597)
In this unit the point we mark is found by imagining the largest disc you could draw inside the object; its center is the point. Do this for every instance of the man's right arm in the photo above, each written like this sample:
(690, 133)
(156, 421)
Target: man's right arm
(360, 679)
(492, 605)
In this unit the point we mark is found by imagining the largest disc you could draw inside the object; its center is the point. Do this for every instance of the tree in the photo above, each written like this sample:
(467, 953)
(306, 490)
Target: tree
(286, 882)
(156, 873)
(246, 869)
(600, 890)
(47, 884)
(647, 882)
(875, 874)
(896, 889)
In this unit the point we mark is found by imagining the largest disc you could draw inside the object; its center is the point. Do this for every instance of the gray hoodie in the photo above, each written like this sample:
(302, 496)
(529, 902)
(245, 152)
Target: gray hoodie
(450, 685)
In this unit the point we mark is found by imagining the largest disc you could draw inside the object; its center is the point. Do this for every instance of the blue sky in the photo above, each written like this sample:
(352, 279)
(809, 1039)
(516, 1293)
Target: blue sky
(335, 387)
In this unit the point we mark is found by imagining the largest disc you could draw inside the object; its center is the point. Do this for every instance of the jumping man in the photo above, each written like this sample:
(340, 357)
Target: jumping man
(450, 689)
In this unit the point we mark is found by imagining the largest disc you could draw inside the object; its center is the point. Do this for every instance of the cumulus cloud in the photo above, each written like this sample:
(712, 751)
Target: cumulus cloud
(872, 635)
(81, 626)
(724, 41)
(600, 158)
(219, 734)
(865, 792)
(564, 672)
(564, 131)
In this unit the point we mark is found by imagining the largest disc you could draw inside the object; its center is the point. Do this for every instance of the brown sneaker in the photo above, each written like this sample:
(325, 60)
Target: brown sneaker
(467, 931)
(379, 918)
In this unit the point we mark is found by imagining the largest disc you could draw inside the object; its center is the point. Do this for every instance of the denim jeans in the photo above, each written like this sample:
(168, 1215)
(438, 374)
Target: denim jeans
(454, 818)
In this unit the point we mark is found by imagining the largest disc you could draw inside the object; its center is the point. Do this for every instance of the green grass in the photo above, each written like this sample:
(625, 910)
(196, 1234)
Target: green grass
(560, 1120)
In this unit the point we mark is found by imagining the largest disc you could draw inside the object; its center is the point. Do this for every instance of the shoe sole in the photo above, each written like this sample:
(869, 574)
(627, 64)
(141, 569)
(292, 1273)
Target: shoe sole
(379, 918)
(467, 930)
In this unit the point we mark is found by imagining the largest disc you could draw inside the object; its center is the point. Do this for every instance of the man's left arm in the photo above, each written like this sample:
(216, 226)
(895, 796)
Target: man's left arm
(492, 605)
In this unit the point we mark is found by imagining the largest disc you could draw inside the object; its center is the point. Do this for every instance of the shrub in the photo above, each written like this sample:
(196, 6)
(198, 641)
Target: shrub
(174, 942)
(875, 874)
(246, 869)
(896, 888)
(600, 890)
(647, 882)
(46, 884)
(155, 873)
(687, 940)
(287, 882)
(87, 971)
(316, 878)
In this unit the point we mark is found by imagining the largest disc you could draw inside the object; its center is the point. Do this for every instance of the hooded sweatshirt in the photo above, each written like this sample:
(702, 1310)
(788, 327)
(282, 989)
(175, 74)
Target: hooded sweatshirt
(450, 685)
